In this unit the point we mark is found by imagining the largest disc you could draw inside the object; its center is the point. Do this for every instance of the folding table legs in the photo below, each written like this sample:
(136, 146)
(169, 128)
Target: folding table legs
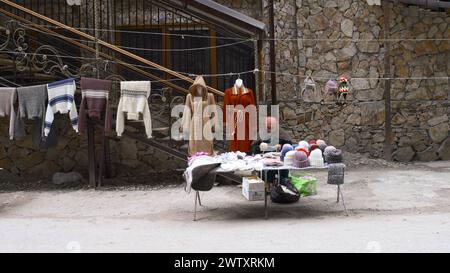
(197, 198)
(339, 191)
(195, 205)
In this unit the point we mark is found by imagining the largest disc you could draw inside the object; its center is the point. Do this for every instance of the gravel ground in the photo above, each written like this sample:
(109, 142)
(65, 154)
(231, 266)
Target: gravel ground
(392, 209)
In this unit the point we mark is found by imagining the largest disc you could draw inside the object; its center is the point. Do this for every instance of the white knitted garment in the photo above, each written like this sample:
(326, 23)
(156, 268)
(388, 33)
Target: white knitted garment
(134, 102)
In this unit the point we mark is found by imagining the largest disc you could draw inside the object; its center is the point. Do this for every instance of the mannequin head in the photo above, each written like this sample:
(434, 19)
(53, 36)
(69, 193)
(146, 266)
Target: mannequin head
(239, 83)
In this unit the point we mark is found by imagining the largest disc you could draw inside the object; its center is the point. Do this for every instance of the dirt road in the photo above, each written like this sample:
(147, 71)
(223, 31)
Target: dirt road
(391, 210)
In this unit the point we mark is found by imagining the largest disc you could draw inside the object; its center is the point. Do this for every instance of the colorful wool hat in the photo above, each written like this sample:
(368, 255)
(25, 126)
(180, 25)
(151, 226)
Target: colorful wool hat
(312, 147)
(301, 160)
(302, 150)
(289, 158)
(335, 156)
(343, 85)
(320, 141)
(331, 86)
(286, 148)
(327, 151)
(316, 159)
(322, 147)
(303, 144)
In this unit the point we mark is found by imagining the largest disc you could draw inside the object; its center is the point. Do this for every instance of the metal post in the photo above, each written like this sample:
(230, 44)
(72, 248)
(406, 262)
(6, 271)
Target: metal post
(260, 57)
(273, 78)
(387, 86)
(338, 192)
(199, 200)
(195, 206)
(91, 153)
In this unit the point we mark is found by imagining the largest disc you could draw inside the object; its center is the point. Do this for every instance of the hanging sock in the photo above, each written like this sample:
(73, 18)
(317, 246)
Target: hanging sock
(134, 102)
(61, 99)
(95, 103)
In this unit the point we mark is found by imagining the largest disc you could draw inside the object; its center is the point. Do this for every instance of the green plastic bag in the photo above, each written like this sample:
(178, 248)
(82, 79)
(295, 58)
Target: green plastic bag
(305, 183)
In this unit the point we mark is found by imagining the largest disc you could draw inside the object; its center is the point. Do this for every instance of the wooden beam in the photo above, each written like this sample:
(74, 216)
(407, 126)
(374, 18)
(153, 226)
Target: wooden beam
(106, 44)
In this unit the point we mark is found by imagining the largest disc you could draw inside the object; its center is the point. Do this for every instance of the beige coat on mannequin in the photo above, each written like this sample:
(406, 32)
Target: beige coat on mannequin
(200, 137)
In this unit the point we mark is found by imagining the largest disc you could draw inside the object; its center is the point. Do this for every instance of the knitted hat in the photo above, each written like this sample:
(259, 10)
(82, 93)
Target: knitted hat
(303, 144)
(320, 141)
(336, 174)
(302, 150)
(301, 160)
(286, 148)
(327, 151)
(335, 156)
(343, 85)
(315, 158)
(312, 147)
(331, 86)
(289, 158)
(322, 147)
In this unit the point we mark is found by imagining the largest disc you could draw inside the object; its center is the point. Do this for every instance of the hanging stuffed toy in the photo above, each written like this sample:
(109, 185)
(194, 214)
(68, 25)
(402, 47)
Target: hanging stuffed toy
(343, 87)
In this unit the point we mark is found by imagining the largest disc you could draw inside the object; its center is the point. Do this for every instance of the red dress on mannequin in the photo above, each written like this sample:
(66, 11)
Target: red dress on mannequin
(239, 96)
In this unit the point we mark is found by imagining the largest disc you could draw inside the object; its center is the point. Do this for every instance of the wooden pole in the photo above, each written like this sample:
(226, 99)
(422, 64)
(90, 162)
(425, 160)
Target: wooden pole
(387, 85)
(273, 78)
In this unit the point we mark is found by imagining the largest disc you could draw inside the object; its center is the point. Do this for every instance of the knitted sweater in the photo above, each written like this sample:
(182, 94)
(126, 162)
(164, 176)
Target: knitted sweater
(32, 102)
(61, 99)
(7, 98)
(94, 103)
(134, 102)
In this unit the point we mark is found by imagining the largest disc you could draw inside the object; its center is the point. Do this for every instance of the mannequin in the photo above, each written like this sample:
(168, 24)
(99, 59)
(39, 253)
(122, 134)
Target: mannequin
(196, 91)
(240, 95)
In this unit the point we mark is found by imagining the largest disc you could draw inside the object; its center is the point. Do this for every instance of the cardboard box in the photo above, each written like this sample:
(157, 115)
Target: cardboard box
(253, 188)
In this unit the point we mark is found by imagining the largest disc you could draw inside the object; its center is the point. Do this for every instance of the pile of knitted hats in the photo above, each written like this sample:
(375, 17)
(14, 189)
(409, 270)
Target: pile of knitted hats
(313, 153)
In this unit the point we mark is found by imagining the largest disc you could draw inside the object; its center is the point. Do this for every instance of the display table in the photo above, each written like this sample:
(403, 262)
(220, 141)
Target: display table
(263, 176)
(263, 169)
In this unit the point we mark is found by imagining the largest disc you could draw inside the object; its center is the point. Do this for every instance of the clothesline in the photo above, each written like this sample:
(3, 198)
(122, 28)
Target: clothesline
(152, 49)
(243, 38)
(230, 74)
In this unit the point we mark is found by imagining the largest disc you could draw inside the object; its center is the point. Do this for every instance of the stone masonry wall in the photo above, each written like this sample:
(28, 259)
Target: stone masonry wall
(326, 39)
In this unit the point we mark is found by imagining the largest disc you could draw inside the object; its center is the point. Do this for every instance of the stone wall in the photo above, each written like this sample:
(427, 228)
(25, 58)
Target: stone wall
(22, 157)
(326, 39)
